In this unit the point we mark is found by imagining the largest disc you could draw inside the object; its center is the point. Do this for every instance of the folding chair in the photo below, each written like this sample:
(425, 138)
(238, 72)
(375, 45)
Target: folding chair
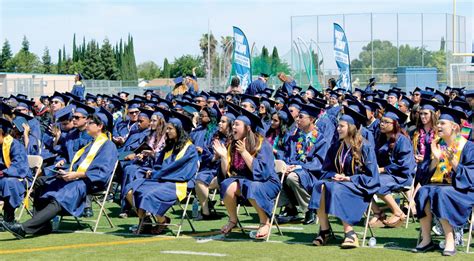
(409, 199)
(34, 161)
(280, 168)
(96, 198)
(469, 236)
(184, 215)
(367, 219)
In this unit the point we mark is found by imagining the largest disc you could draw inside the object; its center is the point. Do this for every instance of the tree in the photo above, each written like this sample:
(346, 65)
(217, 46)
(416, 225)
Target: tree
(93, 69)
(166, 69)
(46, 61)
(60, 64)
(208, 47)
(25, 45)
(185, 64)
(275, 61)
(148, 70)
(24, 61)
(108, 61)
(5, 57)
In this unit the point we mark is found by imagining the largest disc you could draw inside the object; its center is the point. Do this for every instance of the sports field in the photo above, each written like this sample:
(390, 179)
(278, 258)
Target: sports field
(75, 242)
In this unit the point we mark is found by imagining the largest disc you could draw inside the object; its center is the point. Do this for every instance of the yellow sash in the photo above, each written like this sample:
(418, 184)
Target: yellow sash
(181, 187)
(443, 169)
(96, 145)
(7, 144)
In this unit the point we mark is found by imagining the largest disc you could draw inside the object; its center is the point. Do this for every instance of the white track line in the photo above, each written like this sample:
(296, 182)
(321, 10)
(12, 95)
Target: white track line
(193, 253)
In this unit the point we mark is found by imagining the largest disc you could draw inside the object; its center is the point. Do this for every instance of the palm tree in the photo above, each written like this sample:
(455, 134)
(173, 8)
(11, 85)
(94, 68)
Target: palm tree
(203, 44)
(227, 50)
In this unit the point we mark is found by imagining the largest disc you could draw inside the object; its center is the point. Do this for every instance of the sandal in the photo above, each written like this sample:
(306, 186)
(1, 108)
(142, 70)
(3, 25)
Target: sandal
(262, 236)
(350, 240)
(378, 220)
(323, 237)
(397, 223)
(228, 227)
(160, 227)
(144, 226)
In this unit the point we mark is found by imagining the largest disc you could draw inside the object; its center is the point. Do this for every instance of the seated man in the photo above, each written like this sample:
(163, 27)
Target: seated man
(65, 193)
(13, 170)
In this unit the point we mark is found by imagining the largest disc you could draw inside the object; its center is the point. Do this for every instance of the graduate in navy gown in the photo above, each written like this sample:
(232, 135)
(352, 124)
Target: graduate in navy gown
(305, 156)
(78, 89)
(25, 106)
(207, 177)
(137, 137)
(65, 193)
(175, 165)
(279, 132)
(126, 126)
(334, 107)
(13, 171)
(396, 163)
(248, 172)
(351, 179)
(265, 113)
(22, 132)
(449, 194)
(258, 85)
(373, 123)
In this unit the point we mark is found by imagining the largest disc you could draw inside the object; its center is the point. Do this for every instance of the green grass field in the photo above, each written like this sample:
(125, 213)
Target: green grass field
(75, 242)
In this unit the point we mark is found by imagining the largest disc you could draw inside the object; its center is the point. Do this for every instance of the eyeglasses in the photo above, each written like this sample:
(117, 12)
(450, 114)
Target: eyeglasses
(386, 122)
(133, 112)
(302, 116)
(90, 123)
(56, 102)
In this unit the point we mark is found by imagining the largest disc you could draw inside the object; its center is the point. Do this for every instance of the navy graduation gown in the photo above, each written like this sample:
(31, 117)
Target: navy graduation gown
(399, 165)
(134, 140)
(157, 194)
(288, 87)
(12, 189)
(72, 195)
(78, 89)
(123, 128)
(311, 166)
(374, 129)
(261, 183)
(208, 167)
(72, 142)
(255, 87)
(451, 202)
(348, 200)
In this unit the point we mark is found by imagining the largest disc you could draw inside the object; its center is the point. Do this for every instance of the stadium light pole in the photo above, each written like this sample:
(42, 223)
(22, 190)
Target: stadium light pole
(454, 34)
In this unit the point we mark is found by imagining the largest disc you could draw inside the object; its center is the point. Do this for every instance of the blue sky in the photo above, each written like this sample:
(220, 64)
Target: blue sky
(172, 28)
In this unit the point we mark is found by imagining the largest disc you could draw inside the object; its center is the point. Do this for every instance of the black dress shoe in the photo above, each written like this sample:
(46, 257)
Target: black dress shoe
(288, 212)
(15, 228)
(424, 249)
(309, 218)
(88, 213)
(287, 219)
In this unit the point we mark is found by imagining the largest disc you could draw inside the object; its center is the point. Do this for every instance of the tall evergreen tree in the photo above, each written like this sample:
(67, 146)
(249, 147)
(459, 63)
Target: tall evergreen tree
(25, 45)
(46, 61)
(166, 69)
(108, 61)
(75, 58)
(5, 56)
(93, 67)
(266, 60)
(60, 64)
(275, 61)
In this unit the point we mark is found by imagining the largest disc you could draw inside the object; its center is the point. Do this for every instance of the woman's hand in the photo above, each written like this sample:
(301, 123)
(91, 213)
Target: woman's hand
(219, 149)
(450, 154)
(130, 156)
(241, 146)
(60, 164)
(381, 170)
(27, 128)
(340, 177)
(148, 174)
(436, 152)
(69, 176)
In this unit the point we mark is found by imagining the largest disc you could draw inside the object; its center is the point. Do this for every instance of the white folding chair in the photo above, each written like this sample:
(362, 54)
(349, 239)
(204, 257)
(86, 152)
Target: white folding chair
(100, 198)
(367, 227)
(409, 199)
(34, 161)
(280, 168)
(469, 236)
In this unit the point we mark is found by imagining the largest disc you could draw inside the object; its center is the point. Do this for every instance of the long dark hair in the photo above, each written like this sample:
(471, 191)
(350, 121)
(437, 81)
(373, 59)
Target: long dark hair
(268, 114)
(281, 131)
(396, 132)
(212, 125)
(183, 137)
(253, 142)
(228, 135)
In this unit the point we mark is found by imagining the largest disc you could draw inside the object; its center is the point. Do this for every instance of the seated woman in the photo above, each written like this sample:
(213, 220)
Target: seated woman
(22, 132)
(247, 172)
(175, 165)
(65, 193)
(353, 180)
(396, 166)
(278, 133)
(13, 170)
(265, 113)
(450, 192)
(207, 179)
(143, 160)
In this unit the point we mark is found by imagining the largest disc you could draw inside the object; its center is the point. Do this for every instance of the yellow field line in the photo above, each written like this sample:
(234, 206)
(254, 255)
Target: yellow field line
(73, 246)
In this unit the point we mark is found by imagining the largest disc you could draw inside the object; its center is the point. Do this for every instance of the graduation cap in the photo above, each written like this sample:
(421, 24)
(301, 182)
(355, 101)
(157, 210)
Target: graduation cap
(123, 92)
(381, 102)
(178, 81)
(73, 97)
(395, 114)
(164, 102)
(91, 97)
(310, 110)
(280, 99)
(5, 125)
(427, 104)
(457, 90)
(393, 92)
(49, 160)
(79, 76)
(409, 103)
(23, 103)
(441, 97)
(381, 94)
(461, 105)
(148, 91)
(417, 89)
(5, 109)
(318, 103)
(145, 113)
(426, 94)
(64, 114)
(232, 111)
(106, 118)
(451, 114)
(22, 96)
(371, 81)
(371, 106)
(270, 102)
(181, 120)
(349, 96)
(118, 98)
(61, 97)
(334, 94)
(264, 75)
(285, 115)
(162, 113)
(139, 97)
(250, 99)
(362, 92)
(448, 88)
(429, 89)
(20, 119)
(297, 88)
(189, 106)
(250, 119)
(469, 94)
(134, 104)
(115, 104)
(357, 106)
(82, 108)
(353, 117)
(142, 147)
(203, 94)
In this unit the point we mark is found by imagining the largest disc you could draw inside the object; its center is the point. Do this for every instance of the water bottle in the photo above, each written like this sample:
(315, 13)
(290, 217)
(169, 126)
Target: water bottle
(55, 223)
(372, 242)
(195, 209)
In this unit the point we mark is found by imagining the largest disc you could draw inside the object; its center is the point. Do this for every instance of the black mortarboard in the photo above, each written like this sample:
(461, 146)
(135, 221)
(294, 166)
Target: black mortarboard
(426, 95)
(407, 101)
(381, 94)
(441, 97)
(310, 110)
(393, 92)
(134, 104)
(381, 102)
(106, 118)
(124, 92)
(162, 113)
(82, 108)
(61, 97)
(264, 75)
(91, 97)
(5, 125)
(451, 114)
(461, 105)
(298, 88)
(427, 104)
(20, 119)
(353, 117)
(145, 113)
(469, 94)
(181, 120)
(22, 96)
(72, 96)
(318, 103)
(115, 103)
(371, 106)
(24, 103)
(285, 115)
(250, 119)
(395, 114)
(5, 109)
(429, 89)
(357, 106)
(271, 102)
(250, 99)
(64, 114)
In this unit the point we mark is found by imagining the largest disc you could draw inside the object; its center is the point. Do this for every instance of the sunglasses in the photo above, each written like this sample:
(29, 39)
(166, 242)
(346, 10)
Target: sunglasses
(133, 112)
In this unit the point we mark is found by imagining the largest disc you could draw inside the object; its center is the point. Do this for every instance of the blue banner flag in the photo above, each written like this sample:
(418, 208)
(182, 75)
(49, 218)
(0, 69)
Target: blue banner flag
(341, 53)
(241, 64)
